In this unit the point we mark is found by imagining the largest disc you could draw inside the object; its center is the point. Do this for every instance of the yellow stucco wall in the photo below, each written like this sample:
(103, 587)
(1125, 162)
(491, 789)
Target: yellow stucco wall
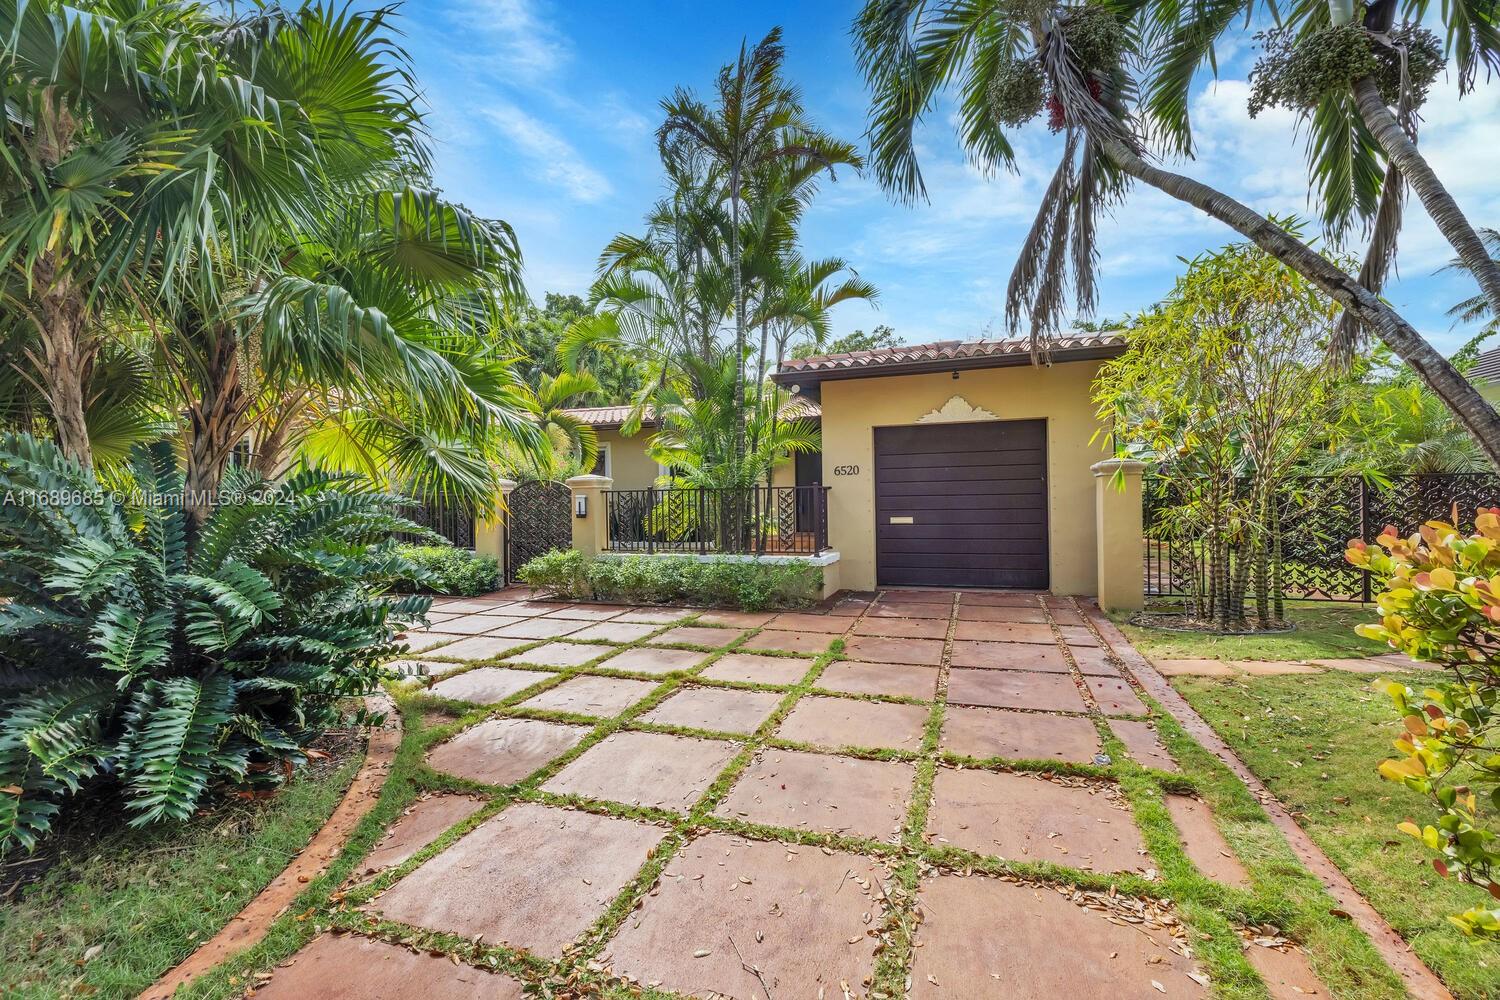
(853, 408)
(628, 465)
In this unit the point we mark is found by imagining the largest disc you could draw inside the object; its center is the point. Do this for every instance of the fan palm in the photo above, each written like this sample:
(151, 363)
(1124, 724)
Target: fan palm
(909, 51)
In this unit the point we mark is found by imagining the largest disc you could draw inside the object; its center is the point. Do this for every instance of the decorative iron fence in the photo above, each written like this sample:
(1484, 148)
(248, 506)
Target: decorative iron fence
(1318, 515)
(760, 520)
(539, 519)
(454, 524)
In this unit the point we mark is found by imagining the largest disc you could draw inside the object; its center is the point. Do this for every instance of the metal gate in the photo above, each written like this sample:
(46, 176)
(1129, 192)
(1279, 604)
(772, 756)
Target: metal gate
(538, 520)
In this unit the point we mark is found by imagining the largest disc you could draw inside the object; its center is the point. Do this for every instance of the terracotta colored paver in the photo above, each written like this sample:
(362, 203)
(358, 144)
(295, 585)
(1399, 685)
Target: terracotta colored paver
(700, 635)
(1009, 656)
(909, 609)
(900, 679)
(716, 708)
(904, 628)
(1000, 599)
(475, 624)
(1065, 616)
(1094, 660)
(1014, 689)
(419, 642)
(794, 913)
(1007, 632)
(943, 597)
(1045, 946)
(533, 877)
(736, 619)
(1202, 842)
(840, 722)
(655, 616)
(470, 607)
(1024, 818)
(1144, 744)
(1288, 974)
(995, 732)
(796, 622)
(351, 967)
(1355, 665)
(503, 609)
(615, 632)
(604, 697)
(789, 642)
(588, 614)
(419, 826)
(561, 654)
(813, 791)
(975, 614)
(487, 685)
(423, 668)
(1195, 667)
(480, 647)
(540, 628)
(1115, 697)
(503, 751)
(646, 660)
(645, 769)
(538, 607)
(758, 669)
(874, 649)
(1077, 635)
(851, 607)
(1274, 668)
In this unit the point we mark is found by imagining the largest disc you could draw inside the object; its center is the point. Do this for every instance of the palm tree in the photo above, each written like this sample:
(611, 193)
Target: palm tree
(757, 120)
(568, 436)
(909, 52)
(125, 127)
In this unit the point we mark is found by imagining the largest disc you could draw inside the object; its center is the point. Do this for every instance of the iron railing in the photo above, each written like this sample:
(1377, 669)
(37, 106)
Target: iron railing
(453, 523)
(1317, 516)
(759, 520)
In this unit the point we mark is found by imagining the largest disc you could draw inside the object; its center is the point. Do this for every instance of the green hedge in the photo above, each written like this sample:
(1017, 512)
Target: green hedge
(749, 586)
(449, 570)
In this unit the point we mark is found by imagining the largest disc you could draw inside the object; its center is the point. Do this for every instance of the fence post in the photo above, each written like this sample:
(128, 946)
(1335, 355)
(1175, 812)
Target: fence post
(1119, 534)
(591, 527)
(1364, 535)
(489, 532)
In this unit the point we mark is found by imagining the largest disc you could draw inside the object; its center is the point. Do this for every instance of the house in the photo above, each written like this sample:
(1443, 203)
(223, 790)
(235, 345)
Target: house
(1486, 374)
(625, 459)
(958, 464)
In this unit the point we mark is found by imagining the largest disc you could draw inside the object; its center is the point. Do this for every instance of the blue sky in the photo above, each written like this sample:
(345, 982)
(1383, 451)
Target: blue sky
(543, 113)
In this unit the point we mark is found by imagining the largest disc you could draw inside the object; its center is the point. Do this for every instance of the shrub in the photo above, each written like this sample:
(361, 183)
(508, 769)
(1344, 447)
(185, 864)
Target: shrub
(448, 570)
(141, 650)
(749, 586)
(1440, 603)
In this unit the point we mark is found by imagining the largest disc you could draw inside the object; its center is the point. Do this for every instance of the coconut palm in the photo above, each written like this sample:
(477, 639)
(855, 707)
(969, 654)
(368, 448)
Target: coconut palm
(756, 121)
(1074, 63)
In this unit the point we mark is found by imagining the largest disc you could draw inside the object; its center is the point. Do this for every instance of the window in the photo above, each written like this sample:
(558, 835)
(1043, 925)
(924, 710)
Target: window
(602, 464)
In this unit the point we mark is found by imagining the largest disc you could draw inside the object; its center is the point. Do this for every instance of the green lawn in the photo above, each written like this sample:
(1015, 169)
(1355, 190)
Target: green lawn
(1324, 630)
(146, 899)
(1316, 739)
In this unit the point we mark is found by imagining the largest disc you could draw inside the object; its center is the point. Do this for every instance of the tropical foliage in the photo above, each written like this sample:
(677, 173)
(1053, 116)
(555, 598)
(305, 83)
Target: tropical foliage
(1440, 603)
(140, 650)
(445, 569)
(1115, 80)
(748, 586)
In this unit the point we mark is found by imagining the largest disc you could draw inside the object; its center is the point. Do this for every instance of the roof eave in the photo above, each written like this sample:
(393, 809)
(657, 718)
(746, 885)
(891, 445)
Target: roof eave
(809, 378)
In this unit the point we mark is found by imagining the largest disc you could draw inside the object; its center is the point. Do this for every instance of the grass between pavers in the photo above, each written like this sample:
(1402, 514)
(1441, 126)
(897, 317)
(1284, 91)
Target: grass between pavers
(1316, 740)
(1325, 630)
(1283, 893)
(147, 898)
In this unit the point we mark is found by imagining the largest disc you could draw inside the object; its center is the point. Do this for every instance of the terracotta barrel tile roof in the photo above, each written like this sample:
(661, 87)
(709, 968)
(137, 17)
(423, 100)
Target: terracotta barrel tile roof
(947, 350)
(605, 416)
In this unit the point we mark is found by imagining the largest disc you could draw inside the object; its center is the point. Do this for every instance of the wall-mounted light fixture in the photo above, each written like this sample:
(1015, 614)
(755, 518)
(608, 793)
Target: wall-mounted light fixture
(580, 505)
(955, 376)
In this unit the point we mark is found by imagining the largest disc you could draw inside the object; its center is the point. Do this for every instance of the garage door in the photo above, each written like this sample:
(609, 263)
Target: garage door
(962, 505)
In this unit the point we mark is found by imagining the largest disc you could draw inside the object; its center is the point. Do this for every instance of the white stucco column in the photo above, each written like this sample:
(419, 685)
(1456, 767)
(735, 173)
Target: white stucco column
(1120, 548)
(590, 526)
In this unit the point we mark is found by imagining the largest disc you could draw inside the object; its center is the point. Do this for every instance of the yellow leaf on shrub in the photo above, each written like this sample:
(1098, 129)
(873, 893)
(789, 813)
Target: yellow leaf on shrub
(1442, 579)
(1410, 829)
(1416, 725)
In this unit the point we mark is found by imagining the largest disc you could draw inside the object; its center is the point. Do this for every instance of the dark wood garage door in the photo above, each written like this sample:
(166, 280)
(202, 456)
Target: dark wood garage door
(962, 505)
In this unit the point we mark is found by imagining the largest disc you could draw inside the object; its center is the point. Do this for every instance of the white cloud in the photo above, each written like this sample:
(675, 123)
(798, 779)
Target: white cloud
(549, 154)
(516, 39)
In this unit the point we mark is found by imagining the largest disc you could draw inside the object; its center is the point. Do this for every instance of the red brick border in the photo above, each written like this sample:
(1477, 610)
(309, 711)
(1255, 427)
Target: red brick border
(246, 928)
(1420, 981)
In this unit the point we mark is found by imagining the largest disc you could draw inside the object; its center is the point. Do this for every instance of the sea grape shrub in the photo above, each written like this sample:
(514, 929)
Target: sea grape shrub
(1440, 603)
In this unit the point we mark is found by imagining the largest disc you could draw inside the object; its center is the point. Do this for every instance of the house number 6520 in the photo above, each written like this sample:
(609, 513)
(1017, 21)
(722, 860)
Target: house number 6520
(846, 470)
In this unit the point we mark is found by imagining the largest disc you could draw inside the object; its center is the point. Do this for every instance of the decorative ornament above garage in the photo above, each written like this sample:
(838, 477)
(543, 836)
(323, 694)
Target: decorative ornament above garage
(955, 410)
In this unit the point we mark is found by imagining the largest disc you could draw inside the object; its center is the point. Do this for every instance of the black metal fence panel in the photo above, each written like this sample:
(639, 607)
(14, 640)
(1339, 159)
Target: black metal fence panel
(452, 523)
(1318, 516)
(761, 520)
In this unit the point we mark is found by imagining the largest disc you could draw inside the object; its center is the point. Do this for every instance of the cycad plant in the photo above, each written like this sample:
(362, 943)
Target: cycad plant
(140, 649)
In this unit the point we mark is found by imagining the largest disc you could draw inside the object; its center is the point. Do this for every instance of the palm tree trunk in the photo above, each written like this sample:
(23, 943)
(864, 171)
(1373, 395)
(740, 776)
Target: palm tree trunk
(68, 352)
(1441, 207)
(216, 420)
(1471, 409)
(739, 320)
